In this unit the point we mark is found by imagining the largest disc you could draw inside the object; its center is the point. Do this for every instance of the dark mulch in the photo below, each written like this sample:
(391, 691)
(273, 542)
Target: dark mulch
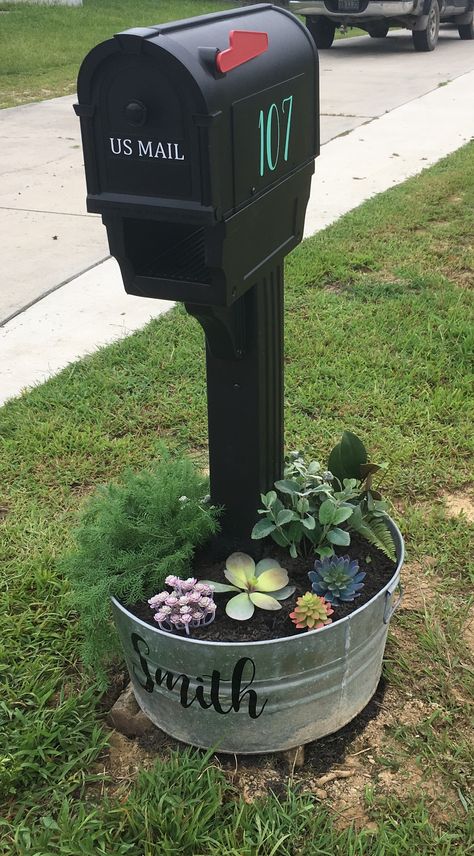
(274, 625)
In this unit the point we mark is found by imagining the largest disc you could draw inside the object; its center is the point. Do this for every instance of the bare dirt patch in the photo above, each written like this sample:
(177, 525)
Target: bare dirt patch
(336, 287)
(418, 586)
(81, 488)
(125, 759)
(464, 278)
(458, 504)
(468, 631)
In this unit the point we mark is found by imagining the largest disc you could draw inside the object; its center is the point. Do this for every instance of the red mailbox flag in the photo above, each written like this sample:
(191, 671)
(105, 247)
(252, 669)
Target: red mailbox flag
(244, 45)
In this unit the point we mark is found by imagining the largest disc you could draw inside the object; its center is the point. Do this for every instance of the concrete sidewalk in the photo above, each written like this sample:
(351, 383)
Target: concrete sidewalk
(93, 309)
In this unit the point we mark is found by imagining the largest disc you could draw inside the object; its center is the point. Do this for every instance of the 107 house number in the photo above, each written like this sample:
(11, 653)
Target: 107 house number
(274, 138)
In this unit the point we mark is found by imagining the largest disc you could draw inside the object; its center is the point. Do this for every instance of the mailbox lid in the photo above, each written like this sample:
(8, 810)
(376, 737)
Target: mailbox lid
(266, 110)
(163, 129)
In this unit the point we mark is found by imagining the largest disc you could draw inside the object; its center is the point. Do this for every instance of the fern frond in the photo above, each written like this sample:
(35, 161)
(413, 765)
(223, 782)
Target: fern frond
(375, 530)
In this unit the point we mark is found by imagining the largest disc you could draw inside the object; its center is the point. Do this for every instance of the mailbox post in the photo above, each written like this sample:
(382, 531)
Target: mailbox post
(199, 141)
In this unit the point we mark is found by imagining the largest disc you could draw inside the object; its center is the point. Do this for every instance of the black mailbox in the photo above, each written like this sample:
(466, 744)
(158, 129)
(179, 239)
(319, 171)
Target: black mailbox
(199, 141)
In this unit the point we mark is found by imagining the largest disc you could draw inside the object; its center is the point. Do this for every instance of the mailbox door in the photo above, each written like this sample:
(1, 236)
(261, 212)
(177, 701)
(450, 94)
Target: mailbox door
(140, 138)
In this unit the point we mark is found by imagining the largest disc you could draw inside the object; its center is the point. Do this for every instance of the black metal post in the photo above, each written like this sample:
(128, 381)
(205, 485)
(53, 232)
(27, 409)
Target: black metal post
(244, 345)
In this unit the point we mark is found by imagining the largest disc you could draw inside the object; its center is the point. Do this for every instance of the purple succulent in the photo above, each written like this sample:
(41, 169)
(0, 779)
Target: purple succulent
(189, 604)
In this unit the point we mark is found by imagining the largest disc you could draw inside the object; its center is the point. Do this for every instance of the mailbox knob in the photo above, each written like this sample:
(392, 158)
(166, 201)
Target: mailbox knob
(135, 113)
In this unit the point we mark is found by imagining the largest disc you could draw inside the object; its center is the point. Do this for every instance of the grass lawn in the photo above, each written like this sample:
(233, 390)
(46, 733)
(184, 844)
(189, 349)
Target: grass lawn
(378, 340)
(41, 47)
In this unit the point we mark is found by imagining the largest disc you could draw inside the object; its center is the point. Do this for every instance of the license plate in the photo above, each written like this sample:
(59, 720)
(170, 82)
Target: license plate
(348, 5)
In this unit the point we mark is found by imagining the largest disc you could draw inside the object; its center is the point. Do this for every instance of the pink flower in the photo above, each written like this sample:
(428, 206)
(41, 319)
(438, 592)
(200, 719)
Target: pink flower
(186, 618)
(171, 601)
(183, 610)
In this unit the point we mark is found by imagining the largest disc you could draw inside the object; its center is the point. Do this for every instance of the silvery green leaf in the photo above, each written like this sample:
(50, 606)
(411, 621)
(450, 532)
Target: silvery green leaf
(262, 528)
(343, 514)
(264, 601)
(287, 486)
(350, 483)
(339, 537)
(356, 518)
(272, 580)
(239, 568)
(302, 505)
(267, 564)
(240, 607)
(327, 511)
(277, 507)
(280, 538)
(293, 552)
(219, 587)
(325, 552)
(283, 593)
(309, 522)
(285, 516)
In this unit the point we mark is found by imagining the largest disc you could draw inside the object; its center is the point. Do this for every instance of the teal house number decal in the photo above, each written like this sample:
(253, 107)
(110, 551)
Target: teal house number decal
(270, 142)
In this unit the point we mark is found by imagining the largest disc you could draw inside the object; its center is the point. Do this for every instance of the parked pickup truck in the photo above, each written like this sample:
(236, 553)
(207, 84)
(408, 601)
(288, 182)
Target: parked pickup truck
(422, 17)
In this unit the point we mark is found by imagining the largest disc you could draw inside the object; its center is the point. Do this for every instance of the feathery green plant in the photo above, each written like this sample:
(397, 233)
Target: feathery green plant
(131, 536)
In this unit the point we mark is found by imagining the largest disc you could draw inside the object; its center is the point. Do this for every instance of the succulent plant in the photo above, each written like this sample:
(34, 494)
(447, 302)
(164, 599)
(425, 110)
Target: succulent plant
(311, 611)
(337, 579)
(314, 510)
(189, 604)
(261, 585)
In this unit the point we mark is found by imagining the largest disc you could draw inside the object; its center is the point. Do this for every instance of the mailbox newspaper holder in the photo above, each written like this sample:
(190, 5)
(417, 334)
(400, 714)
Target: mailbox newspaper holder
(199, 142)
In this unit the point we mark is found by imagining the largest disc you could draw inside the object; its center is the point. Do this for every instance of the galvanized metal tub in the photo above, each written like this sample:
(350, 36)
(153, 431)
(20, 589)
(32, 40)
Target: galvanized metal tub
(253, 697)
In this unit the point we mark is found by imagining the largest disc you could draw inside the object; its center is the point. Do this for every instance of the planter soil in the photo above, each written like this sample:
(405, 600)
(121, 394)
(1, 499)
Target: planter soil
(276, 625)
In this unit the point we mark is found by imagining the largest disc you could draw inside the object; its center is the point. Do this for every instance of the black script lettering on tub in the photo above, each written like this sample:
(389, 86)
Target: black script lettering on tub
(188, 695)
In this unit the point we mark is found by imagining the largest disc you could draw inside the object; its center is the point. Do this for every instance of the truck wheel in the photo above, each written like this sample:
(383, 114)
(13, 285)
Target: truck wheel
(427, 39)
(466, 31)
(378, 30)
(322, 31)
